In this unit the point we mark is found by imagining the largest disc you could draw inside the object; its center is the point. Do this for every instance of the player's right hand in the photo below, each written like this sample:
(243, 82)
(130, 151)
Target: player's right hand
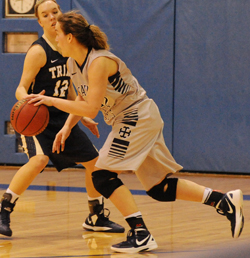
(61, 137)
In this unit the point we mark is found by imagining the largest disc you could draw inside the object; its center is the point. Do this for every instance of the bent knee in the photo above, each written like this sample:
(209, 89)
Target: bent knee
(164, 191)
(39, 162)
(106, 182)
(89, 165)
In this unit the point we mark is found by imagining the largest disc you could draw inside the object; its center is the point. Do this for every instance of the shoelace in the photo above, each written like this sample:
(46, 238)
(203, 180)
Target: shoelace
(221, 212)
(130, 234)
(223, 209)
(107, 214)
(138, 232)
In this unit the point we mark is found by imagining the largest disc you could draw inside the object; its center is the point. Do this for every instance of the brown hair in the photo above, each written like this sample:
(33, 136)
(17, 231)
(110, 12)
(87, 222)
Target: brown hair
(88, 35)
(39, 2)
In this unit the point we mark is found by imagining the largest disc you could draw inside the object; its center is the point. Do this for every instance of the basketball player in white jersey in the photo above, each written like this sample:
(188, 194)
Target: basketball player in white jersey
(135, 143)
(45, 70)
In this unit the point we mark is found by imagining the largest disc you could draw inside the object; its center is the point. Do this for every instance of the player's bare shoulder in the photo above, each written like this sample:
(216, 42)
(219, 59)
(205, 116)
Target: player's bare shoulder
(36, 55)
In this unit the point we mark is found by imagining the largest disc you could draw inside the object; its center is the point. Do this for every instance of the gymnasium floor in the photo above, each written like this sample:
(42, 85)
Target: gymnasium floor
(48, 217)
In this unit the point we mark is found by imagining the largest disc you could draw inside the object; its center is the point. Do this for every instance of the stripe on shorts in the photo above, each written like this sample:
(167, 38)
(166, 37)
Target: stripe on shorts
(118, 148)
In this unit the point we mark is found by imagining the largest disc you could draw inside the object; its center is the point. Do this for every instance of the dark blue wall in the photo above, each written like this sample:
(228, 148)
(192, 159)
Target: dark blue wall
(192, 58)
(212, 111)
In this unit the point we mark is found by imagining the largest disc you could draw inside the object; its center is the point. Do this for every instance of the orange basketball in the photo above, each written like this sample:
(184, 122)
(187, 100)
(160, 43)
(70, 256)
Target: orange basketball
(28, 119)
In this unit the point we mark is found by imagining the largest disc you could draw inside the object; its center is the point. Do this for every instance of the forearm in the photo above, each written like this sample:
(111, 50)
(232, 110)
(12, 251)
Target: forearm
(72, 120)
(21, 93)
(77, 108)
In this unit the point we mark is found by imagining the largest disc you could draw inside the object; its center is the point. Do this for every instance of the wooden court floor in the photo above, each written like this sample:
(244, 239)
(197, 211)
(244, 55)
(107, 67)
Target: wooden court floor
(47, 221)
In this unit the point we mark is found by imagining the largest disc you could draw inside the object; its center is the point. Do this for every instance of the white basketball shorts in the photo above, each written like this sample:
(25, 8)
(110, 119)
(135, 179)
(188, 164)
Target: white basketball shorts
(136, 143)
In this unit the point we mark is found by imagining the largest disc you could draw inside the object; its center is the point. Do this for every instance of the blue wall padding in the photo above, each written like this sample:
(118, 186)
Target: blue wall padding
(211, 113)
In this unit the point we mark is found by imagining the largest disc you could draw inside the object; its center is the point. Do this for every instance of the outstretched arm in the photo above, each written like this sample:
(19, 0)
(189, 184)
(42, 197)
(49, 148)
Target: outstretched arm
(98, 73)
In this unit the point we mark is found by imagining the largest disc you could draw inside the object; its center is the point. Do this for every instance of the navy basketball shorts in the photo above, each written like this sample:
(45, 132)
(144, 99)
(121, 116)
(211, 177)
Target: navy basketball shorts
(78, 148)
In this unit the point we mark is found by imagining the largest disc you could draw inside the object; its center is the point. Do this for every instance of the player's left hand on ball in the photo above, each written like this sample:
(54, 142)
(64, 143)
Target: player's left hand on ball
(38, 99)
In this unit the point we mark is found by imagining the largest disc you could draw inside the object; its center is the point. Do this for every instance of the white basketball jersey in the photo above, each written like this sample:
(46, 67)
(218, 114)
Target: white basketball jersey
(123, 89)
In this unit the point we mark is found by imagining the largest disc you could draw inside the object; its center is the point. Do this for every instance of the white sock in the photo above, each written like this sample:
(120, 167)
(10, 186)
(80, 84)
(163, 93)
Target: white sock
(206, 194)
(100, 199)
(136, 215)
(14, 195)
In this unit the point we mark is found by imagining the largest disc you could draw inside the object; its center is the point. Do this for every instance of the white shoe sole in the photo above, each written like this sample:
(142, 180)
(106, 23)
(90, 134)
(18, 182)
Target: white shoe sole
(237, 201)
(96, 229)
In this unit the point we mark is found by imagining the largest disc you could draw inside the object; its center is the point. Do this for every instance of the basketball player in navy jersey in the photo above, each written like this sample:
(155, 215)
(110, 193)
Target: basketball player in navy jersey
(45, 71)
(136, 142)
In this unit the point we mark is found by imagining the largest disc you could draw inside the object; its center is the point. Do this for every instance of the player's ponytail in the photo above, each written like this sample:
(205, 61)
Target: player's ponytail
(88, 35)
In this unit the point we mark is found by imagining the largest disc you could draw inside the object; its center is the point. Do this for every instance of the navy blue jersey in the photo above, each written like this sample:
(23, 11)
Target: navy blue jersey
(54, 79)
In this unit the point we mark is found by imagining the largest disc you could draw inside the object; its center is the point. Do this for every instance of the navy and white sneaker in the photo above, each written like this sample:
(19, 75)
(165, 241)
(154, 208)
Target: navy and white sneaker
(6, 207)
(138, 240)
(102, 223)
(231, 206)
